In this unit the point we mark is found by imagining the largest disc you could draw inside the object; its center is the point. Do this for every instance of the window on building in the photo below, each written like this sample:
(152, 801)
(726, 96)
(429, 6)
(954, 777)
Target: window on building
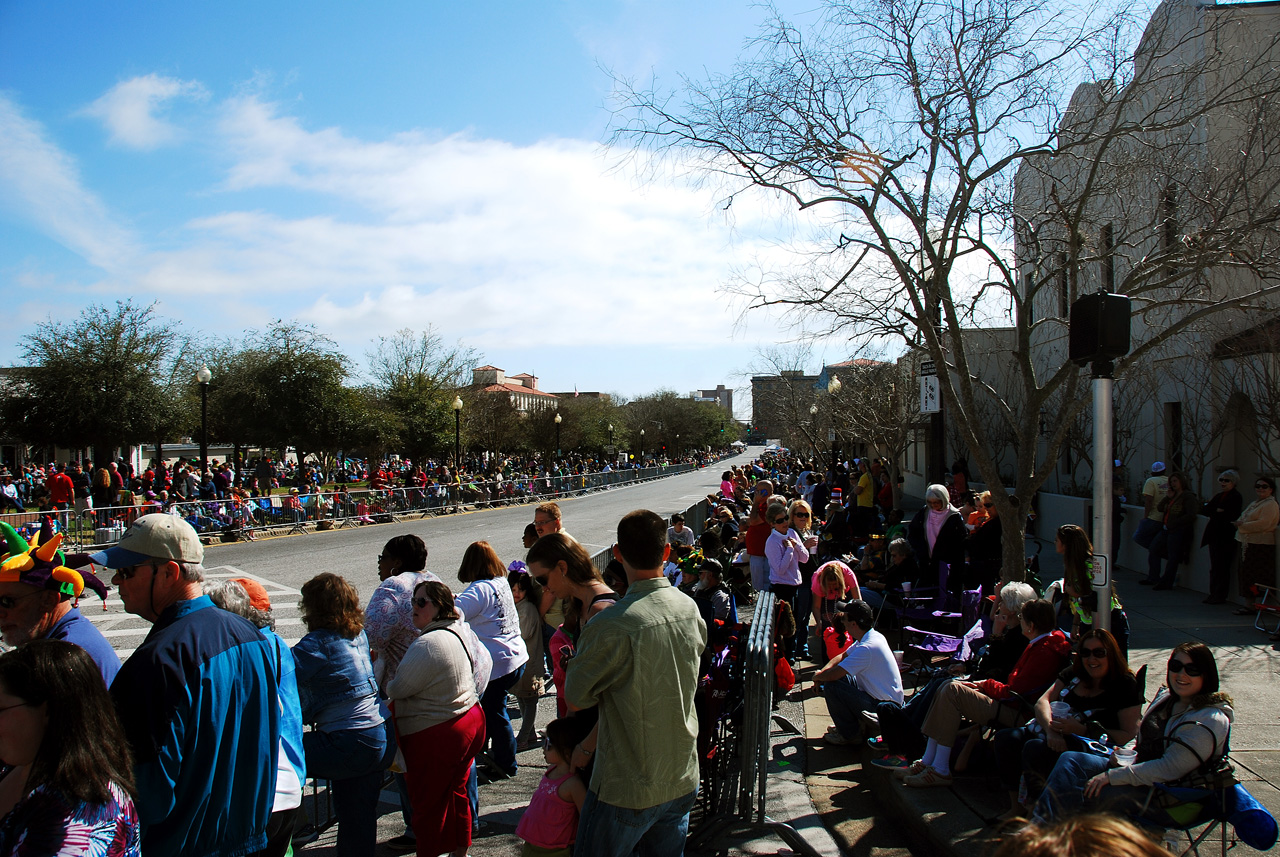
(1173, 434)
(1108, 242)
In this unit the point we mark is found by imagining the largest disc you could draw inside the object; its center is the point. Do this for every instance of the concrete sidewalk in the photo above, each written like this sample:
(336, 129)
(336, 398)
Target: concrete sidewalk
(956, 820)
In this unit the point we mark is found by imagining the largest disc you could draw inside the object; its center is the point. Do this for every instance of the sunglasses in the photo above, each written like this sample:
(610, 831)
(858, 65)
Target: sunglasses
(1226, 481)
(1097, 653)
(421, 603)
(1192, 671)
(128, 572)
(800, 514)
(542, 581)
(779, 520)
(1261, 485)
(989, 505)
(8, 602)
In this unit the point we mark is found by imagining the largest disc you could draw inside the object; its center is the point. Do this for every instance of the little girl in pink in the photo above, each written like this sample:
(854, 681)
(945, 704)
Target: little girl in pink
(550, 822)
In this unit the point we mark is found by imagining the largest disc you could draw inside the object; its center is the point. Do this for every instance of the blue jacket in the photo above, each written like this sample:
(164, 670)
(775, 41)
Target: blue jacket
(335, 681)
(200, 709)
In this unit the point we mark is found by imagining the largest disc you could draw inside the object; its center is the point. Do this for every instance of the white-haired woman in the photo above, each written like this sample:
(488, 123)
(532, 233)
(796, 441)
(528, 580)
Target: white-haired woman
(937, 534)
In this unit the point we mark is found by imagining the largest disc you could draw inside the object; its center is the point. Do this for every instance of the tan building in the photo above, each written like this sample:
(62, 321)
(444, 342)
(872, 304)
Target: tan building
(522, 389)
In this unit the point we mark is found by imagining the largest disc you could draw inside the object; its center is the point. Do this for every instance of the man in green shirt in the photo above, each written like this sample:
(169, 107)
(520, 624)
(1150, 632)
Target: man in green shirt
(638, 661)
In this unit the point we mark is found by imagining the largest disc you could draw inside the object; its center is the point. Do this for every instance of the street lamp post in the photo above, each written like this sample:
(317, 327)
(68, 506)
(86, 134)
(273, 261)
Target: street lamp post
(813, 422)
(457, 452)
(457, 435)
(642, 447)
(611, 434)
(833, 387)
(204, 376)
(559, 419)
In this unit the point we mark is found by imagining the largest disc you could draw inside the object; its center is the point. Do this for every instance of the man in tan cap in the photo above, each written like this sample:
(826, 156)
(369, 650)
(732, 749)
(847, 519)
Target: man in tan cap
(198, 700)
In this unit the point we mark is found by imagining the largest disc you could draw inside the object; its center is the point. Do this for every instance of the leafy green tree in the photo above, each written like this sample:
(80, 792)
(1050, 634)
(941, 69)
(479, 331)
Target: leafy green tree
(417, 376)
(106, 380)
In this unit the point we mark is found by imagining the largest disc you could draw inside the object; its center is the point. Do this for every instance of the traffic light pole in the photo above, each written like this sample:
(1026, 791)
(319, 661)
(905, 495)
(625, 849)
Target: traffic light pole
(1103, 460)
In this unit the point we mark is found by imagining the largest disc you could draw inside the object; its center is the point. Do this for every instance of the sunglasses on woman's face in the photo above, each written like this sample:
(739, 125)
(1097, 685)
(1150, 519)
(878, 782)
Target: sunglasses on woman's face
(421, 603)
(1177, 666)
(777, 521)
(799, 514)
(1097, 653)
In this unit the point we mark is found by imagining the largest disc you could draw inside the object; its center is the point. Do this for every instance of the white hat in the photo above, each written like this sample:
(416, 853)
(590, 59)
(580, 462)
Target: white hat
(154, 536)
(1157, 467)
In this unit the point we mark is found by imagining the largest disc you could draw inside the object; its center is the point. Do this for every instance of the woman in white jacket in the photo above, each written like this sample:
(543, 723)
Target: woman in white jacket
(489, 608)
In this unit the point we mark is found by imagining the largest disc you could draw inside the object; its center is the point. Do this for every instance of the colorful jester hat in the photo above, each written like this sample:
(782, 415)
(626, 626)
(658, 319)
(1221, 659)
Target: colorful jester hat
(41, 564)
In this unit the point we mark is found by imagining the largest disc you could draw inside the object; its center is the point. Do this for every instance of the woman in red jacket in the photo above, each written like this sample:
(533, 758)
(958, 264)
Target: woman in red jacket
(980, 702)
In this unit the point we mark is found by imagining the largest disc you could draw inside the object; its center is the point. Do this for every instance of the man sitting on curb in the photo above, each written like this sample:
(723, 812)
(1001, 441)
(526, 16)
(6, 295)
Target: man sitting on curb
(864, 676)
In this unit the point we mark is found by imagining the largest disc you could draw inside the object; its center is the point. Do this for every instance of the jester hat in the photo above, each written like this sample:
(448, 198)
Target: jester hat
(42, 565)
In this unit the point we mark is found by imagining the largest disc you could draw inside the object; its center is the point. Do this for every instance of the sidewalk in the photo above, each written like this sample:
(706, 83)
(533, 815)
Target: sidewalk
(954, 820)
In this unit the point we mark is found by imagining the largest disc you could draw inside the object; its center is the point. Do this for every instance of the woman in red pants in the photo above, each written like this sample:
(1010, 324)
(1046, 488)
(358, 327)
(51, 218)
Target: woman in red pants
(435, 701)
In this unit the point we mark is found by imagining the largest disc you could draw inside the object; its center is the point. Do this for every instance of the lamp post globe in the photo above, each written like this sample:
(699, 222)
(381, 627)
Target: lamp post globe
(559, 419)
(203, 377)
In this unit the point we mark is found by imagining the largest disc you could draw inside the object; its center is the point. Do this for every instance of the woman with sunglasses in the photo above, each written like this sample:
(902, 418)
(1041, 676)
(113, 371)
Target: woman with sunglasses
(784, 550)
(1219, 536)
(1186, 730)
(937, 535)
(1105, 700)
(1256, 532)
(801, 516)
(347, 744)
(440, 726)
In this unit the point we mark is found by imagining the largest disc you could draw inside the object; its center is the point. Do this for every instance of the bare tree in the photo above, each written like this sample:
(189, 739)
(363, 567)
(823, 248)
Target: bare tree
(966, 190)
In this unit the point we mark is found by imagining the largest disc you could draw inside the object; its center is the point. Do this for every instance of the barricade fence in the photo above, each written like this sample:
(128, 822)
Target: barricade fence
(734, 764)
(234, 518)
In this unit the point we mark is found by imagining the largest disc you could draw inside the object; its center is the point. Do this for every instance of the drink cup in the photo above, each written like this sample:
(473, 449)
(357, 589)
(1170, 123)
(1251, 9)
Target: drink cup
(906, 588)
(1060, 710)
(897, 656)
(1124, 756)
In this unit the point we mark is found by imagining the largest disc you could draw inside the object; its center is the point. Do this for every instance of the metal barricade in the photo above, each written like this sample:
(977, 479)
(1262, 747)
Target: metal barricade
(743, 736)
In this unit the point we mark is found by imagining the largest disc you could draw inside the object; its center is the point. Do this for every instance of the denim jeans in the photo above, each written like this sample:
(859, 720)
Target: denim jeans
(845, 702)
(353, 761)
(497, 723)
(804, 610)
(1064, 789)
(612, 831)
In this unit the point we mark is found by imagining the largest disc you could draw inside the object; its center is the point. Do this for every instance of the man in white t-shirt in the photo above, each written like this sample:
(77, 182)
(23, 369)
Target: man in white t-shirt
(864, 676)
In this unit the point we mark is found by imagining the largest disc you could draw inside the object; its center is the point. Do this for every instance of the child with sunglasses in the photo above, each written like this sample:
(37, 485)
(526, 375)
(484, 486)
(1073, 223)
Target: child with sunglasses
(550, 823)
(1184, 737)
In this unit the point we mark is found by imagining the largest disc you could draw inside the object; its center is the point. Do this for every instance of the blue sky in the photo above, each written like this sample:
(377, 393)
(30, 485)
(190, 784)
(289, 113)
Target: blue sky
(372, 167)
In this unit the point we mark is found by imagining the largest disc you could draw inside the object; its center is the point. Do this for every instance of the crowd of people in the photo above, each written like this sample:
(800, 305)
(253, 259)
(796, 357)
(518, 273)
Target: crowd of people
(201, 742)
(214, 724)
(1043, 697)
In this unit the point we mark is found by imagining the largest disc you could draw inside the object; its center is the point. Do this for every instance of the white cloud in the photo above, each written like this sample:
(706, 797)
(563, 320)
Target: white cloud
(40, 183)
(128, 109)
(483, 238)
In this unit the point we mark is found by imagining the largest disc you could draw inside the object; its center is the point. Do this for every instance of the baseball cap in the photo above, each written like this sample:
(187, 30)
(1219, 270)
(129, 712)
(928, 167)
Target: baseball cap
(157, 535)
(1157, 467)
(257, 593)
